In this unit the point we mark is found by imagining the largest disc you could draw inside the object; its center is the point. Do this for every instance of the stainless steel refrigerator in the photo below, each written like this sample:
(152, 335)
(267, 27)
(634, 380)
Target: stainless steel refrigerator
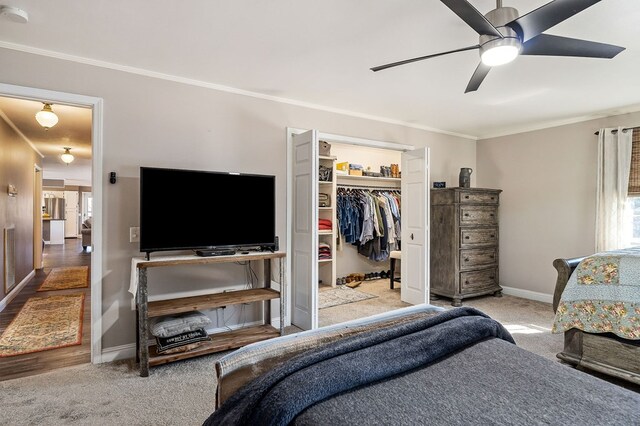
(55, 207)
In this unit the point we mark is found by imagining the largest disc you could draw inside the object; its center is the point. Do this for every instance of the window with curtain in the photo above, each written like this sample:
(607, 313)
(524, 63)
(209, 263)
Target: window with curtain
(633, 197)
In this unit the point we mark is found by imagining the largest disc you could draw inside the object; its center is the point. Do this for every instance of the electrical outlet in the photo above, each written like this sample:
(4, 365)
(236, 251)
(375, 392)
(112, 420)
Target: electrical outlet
(134, 234)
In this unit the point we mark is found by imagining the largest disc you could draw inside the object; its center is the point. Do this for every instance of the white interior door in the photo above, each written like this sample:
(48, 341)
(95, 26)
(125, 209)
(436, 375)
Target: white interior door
(71, 215)
(415, 227)
(304, 241)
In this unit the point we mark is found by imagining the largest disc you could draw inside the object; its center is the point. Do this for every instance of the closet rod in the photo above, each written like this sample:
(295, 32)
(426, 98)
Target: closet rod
(379, 188)
(616, 131)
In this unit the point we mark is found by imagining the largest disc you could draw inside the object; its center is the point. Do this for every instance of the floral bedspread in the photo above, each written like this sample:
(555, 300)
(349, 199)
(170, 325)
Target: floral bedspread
(603, 295)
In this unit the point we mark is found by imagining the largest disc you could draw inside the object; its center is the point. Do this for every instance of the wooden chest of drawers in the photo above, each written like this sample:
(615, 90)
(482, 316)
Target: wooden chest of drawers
(464, 243)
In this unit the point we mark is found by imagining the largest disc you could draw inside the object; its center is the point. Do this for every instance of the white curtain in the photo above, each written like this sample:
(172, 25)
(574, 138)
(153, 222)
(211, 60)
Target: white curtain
(614, 162)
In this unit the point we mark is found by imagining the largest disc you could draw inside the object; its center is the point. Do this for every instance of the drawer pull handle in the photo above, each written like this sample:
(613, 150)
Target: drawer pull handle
(466, 259)
(493, 236)
(492, 198)
(492, 278)
(491, 215)
(466, 237)
(466, 214)
(466, 282)
(466, 197)
(492, 256)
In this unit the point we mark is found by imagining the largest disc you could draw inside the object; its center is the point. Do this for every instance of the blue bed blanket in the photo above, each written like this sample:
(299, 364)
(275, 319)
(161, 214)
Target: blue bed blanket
(277, 397)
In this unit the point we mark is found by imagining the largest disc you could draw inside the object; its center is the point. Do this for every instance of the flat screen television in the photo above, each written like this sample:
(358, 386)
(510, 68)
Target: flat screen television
(193, 209)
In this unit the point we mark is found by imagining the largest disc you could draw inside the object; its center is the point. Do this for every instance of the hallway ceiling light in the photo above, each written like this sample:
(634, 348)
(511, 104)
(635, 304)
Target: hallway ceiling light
(67, 157)
(47, 118)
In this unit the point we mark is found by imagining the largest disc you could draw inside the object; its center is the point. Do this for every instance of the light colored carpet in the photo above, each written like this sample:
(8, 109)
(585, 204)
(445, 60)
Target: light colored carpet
(527, 320)
(340, 295)
(183, 392)
(387, 300)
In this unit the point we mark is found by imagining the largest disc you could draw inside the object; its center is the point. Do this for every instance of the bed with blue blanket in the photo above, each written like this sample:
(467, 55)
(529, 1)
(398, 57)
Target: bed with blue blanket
(597, 305)
(418, 365)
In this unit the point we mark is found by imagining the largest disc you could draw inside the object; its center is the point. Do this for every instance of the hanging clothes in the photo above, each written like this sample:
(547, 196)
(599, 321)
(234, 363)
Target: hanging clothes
(370, 220)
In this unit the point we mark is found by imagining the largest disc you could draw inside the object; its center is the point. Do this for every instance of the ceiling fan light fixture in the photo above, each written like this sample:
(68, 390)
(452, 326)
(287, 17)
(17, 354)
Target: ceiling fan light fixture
(46, 117)
(500, 51)
(67, 157)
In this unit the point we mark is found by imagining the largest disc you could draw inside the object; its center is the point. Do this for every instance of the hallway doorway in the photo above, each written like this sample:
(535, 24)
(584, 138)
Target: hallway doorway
(74, 251)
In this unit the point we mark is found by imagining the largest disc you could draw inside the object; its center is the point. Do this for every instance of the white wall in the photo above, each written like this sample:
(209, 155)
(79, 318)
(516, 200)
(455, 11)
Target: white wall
(547, 210)
(365, 156)
(154, 122)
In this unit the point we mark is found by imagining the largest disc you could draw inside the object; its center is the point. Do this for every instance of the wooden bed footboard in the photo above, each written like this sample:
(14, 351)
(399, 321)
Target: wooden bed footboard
(605, 353)
(565, 268)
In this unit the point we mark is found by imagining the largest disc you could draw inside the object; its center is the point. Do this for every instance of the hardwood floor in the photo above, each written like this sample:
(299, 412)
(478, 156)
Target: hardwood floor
(69, 254)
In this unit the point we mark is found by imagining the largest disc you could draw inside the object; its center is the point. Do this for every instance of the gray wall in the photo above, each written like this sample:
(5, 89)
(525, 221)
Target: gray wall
(17, 160)
(548, 205)
(153, 122)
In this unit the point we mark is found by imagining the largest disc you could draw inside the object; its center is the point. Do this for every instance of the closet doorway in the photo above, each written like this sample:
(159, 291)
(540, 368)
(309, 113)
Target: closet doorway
(333, 274)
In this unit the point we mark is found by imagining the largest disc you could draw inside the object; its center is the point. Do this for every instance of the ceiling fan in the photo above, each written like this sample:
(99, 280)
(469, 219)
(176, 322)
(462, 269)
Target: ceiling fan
(504, 35)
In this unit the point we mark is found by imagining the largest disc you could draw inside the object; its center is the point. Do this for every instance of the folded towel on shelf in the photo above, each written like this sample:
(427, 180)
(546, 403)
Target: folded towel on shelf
(325, 225)
(324, 251)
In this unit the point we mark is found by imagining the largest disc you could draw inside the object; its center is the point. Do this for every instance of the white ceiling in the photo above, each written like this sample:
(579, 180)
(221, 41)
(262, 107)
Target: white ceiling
(73, 130)
(320, 52)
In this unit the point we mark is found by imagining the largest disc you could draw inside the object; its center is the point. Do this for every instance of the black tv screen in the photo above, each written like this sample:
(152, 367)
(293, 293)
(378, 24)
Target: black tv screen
(191, 209)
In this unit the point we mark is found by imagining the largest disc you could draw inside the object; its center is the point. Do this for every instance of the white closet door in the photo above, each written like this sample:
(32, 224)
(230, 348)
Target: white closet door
(304, 241)
(415, 227)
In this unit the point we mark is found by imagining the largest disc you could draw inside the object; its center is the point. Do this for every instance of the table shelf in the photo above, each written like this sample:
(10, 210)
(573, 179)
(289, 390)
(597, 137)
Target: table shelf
(219, 342)
(147, 355)
(210, 301)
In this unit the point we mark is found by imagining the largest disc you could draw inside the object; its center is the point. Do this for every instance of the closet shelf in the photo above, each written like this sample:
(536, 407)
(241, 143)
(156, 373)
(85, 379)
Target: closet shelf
(324, 260)
(326, 157)
(325, 208)
(365, 178)
(325, 232)
(329, 182)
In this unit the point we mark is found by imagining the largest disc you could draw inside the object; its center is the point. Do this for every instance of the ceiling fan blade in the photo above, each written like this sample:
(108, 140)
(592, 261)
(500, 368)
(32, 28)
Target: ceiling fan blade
(541, 19)
(550, 45)
(478, 76)
(408, 61)
(472, 17)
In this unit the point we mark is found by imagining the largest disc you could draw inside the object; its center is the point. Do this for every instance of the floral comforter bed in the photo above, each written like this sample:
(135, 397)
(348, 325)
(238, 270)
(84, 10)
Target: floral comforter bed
(603, 295)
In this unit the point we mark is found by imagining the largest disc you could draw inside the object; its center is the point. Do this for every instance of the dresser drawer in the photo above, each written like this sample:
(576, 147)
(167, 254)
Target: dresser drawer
(478, 197)
(478, 215)
(472, 258)
(470, 237)
(478, 280)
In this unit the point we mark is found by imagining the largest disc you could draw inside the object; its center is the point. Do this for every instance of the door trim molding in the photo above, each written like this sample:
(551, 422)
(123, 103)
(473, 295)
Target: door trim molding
(290, 131)
(96, 105)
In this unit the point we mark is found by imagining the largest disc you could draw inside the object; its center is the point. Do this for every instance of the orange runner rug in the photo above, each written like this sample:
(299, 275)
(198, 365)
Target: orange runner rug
(44, 323)
(65, 278)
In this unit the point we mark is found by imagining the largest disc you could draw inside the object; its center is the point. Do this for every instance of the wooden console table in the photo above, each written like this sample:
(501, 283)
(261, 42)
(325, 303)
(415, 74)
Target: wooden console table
(223, 341)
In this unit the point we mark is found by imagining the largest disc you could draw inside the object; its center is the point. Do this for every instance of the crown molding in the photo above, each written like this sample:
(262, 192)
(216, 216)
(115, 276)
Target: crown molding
(221, 88)
(22, 136)
(557, 123)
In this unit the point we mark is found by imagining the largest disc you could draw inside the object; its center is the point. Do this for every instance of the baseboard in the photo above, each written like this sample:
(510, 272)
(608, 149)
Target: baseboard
(128, 351)
(14, 292)
(118, 353)
(528, 294)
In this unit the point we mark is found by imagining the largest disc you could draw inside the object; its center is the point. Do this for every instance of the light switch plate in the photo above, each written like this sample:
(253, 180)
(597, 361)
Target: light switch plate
(134, 234)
